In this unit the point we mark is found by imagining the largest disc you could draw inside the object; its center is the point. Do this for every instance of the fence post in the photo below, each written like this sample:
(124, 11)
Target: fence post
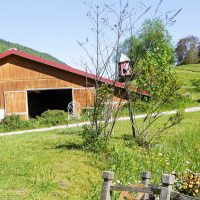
(145, 179)
(167, 184)
(106, 194)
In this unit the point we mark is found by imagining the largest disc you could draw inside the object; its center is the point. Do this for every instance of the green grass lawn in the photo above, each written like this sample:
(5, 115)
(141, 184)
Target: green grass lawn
(53, 165)
(188, 73)
(190, 67)
(45, 166)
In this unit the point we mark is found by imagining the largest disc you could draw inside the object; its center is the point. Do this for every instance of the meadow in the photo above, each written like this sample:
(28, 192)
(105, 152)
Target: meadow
(54, 164)
(188, 73)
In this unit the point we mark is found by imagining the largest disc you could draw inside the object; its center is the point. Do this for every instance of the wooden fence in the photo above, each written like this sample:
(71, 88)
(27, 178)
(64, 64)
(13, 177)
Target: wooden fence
(145, 190)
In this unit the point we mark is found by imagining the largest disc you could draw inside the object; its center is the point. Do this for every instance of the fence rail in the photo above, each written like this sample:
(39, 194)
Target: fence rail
(130, 189)
(145, 190)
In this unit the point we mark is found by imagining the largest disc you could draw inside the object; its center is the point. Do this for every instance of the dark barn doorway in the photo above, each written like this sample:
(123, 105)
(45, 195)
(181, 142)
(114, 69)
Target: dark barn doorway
(41, 100)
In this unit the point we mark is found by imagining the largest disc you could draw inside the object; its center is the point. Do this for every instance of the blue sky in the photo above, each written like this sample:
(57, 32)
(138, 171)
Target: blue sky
(55, 26)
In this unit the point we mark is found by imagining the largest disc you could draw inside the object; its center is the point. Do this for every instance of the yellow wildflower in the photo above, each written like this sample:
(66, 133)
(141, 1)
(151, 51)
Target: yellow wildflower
(185, 186)
(196, 191)
(190, 185)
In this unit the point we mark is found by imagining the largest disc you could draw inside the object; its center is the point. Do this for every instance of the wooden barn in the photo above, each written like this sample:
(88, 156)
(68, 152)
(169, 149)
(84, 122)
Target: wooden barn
(30, 85)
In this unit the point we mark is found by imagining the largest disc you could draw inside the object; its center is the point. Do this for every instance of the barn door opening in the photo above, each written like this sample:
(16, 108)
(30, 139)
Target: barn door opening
(54, 99)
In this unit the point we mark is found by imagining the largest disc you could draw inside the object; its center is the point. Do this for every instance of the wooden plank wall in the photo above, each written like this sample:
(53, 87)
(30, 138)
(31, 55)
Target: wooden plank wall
(85, 96)
(18, 74)
(16, 103)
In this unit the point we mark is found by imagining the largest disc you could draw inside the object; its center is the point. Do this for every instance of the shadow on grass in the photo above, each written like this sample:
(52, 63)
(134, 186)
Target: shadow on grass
(124, 137)
(127, 137)
(128, 140)
(70, 146)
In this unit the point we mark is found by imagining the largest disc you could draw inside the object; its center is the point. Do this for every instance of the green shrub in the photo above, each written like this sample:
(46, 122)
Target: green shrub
(53, 117)
(196, 84)
(90, 140)
(14, 122)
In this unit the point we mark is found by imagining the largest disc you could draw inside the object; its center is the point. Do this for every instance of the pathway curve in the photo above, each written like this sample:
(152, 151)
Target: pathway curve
(193, 109)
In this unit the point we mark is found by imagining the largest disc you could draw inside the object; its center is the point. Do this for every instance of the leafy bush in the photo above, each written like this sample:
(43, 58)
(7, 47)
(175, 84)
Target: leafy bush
(48, 118)
(53, 117)
(196, 84)
(14, 122)
(93, 141)
(188, 183)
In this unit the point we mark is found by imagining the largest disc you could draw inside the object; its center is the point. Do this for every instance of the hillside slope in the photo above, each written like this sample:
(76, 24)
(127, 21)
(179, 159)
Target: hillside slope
(188, 73)
(5, 45)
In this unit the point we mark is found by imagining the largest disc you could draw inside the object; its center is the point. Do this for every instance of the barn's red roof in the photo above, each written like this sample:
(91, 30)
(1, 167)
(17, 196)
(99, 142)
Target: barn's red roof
(62, 67)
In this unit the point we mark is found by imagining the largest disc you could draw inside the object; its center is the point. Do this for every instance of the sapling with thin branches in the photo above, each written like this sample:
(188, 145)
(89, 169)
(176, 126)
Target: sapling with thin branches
(152, 58)
(110, 26)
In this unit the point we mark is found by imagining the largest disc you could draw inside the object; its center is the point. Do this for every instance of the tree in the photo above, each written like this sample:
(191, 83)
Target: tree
(152, 37)
(187, 50)
(152, 53)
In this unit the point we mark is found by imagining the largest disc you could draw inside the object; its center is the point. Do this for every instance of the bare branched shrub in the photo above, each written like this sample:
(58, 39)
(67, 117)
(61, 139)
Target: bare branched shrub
(151, 58)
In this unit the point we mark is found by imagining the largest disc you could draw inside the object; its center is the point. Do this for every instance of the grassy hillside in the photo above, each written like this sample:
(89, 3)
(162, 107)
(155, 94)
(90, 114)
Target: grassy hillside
(53, 165)
(5, 45)
(190, 67)
(190, 95)
(188, 73)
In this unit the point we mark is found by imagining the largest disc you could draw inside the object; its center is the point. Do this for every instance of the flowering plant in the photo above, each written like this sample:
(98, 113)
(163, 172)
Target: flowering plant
(188, 183)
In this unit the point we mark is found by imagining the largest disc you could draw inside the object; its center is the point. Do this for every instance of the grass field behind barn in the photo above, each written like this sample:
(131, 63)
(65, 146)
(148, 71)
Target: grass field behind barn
(188, 73)
(53, 165)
